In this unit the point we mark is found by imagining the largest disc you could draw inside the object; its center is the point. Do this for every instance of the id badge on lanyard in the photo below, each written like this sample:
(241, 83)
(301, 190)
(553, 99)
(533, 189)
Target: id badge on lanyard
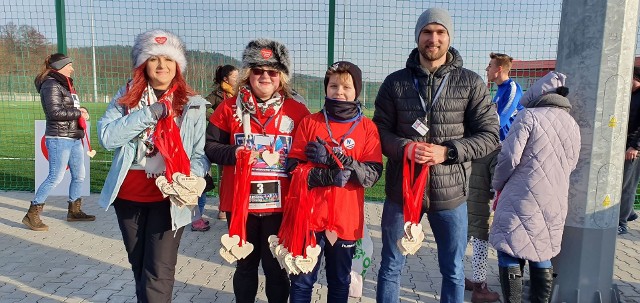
(421, 124)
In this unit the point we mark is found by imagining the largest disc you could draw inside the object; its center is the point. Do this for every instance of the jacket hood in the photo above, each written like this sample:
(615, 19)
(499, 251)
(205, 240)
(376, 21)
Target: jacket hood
(38, 84)
(549, 100)
(454, 60)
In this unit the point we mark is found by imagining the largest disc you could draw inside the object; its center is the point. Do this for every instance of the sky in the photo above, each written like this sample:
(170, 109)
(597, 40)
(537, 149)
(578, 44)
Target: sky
(377, 35)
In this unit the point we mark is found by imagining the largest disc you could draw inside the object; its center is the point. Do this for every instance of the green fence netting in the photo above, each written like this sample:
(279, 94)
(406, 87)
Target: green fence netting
(378, 35)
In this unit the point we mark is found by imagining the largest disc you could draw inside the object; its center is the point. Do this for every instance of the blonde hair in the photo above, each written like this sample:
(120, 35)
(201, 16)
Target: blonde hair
(503, 60)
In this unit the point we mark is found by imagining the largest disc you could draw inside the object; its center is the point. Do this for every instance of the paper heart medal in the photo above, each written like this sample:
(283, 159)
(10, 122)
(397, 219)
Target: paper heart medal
(306, 265)
(271, 158)
(412, 239)
(189, 188)
(231, 249)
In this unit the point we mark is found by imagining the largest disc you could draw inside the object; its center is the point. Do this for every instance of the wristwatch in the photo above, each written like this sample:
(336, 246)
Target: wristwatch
(452, 153)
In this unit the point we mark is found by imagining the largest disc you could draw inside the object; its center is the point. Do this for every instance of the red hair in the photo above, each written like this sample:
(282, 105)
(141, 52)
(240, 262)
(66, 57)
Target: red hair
(139, 83)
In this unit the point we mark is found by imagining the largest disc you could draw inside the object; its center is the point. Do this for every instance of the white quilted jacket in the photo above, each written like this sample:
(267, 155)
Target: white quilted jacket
(532, 173)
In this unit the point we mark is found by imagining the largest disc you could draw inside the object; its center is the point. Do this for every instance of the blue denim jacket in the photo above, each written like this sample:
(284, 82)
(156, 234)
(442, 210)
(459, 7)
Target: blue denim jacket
(116, 131)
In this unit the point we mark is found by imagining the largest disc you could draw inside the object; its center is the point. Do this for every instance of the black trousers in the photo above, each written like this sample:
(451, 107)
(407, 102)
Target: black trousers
(245, 279)
(151, 246)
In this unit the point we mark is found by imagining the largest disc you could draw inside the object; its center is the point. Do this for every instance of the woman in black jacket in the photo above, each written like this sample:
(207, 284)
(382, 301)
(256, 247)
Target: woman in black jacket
(63, 138)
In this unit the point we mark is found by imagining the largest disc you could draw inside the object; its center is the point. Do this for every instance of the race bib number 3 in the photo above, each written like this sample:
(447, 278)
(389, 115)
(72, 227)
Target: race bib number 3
(265, 194)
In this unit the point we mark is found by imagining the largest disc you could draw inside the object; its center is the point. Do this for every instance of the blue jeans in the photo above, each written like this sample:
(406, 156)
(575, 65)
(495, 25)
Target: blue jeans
(507, 260)
(202, 201)
(338, 265)
(450, 232)
(630, 180)
(63, 152)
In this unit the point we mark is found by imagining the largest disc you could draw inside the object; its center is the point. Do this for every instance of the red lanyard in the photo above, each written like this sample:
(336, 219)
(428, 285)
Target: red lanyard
(413, 193)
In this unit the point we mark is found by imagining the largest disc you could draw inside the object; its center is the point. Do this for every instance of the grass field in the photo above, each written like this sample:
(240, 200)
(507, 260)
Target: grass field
(17, 149)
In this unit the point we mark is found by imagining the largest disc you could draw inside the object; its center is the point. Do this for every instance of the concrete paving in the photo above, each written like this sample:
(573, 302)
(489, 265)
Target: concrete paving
(86, 261)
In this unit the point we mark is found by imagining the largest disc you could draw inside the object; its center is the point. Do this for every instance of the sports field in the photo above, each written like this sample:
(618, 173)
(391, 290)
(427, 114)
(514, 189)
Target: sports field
(17, 150)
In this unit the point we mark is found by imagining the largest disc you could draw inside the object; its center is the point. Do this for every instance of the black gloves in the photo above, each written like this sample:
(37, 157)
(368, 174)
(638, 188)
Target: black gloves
(317, 153)
(159, 110)
(319, 177)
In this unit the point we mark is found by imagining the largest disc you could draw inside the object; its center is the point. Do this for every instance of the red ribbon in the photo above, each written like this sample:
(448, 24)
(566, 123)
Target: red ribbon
(295, 233)
(241, 190)
(169, 143)
(413, 190)
(495, 201)
(83, 124)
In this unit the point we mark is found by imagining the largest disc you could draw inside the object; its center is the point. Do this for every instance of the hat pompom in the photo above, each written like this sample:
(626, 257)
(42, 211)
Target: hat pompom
(158, 42)
(265, 52)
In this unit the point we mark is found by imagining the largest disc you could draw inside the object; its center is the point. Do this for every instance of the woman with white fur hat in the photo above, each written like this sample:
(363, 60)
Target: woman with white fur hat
(250, 136)
(142, 124)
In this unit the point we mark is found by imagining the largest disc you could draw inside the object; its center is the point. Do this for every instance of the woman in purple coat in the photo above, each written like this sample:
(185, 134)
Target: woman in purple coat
(532, 177)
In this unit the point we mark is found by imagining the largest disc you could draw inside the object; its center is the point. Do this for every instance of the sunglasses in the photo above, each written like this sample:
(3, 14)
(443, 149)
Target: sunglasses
(260, 72)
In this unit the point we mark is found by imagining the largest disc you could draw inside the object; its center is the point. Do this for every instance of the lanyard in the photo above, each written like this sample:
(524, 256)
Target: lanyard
(351, 129)
(416, 85)
(264, 126)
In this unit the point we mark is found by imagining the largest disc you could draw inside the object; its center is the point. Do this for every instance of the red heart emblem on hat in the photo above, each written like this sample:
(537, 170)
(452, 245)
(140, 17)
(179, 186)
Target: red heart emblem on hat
(161, 40)
(266, 53)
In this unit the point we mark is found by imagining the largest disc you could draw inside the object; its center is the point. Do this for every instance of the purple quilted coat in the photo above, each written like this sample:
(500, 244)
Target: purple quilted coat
(532, 173)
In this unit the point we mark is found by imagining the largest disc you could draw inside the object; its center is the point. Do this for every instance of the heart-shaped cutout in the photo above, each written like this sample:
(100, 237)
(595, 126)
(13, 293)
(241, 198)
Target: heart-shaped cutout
(91, 153)
(243, 251)
(305, 265)
(313, 251)
(161, 39)
(271, 158)
(227, 256)
(415, 229)
(229, 241)
(332, 236)
(290, 265)
(192, 184)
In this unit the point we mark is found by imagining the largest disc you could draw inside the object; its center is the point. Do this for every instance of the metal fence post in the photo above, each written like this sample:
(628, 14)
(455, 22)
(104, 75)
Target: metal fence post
(596, 51)
(61, 27)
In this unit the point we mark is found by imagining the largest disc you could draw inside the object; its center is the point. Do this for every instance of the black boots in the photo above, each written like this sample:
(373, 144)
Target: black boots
(32, 218)
(541, 284)
(76, 214)
(511, 283)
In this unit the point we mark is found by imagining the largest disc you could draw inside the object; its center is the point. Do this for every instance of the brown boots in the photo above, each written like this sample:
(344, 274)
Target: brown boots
(480, 292)
(33, 221)
(76, 214)
(32, 218)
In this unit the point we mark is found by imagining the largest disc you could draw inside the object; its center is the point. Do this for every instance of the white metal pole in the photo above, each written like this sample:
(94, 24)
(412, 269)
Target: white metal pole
(93, 56)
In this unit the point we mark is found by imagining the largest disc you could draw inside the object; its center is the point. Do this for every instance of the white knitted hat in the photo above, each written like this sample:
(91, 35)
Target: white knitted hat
(158, 42)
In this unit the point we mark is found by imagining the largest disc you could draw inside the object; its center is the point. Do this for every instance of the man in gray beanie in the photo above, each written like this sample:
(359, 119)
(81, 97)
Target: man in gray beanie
(445, 121)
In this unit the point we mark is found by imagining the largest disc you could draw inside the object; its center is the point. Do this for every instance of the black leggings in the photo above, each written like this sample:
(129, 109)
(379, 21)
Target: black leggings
(245, 279)
(151, 246)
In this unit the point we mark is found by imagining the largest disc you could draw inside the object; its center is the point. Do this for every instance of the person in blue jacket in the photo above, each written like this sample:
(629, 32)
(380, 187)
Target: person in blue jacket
(151, 224)
(509, 92)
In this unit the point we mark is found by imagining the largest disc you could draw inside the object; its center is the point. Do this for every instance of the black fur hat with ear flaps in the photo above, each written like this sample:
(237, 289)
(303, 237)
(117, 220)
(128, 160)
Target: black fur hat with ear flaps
(265, 52)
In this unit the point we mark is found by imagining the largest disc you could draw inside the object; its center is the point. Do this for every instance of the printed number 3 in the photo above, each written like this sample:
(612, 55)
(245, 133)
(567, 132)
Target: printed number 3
(260, 188)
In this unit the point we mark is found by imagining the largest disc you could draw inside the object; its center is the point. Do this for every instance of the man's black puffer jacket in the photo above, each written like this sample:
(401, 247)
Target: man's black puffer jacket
(463, 117)
(62, 117)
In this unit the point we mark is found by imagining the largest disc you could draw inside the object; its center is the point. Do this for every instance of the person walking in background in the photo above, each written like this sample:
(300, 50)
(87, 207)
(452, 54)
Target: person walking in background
(63, 138)
(532, 181)
(444, 113)
(631, 171)
(262, 120)
(507, 99)
(226, 80)
(354, 137)
(133, 127)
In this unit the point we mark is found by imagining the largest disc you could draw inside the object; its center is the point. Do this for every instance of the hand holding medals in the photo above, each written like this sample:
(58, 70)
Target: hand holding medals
(413, 192)
(234, 244)
(184, 190)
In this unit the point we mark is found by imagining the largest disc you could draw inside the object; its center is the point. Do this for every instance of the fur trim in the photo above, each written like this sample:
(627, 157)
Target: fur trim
(158, 42)
(265, 52)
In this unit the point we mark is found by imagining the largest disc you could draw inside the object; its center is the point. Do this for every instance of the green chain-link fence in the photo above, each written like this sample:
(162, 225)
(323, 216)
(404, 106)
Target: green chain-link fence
(377, 35)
